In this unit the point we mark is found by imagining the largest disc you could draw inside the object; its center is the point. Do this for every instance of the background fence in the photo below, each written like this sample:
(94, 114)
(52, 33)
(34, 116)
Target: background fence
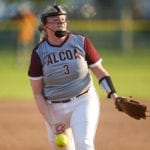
(112, 35)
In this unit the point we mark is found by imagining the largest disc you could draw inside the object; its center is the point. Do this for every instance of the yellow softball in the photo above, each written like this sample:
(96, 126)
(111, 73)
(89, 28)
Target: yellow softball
(61, 140)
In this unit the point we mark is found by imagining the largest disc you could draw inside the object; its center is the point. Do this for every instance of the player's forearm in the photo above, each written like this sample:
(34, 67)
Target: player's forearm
(99, 72)
(37, 88)
(105, 81)
(114, 96)
(43, 107)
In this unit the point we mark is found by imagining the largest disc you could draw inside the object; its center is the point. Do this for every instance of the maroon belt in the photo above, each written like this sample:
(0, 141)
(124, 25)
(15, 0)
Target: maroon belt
(69, 100)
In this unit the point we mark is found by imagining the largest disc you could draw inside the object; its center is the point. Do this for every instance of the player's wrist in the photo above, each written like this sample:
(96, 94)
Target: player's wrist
(106, 83)
(114, 96)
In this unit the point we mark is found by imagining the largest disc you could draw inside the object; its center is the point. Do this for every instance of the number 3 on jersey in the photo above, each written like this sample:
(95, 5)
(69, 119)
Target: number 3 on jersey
(67, 71)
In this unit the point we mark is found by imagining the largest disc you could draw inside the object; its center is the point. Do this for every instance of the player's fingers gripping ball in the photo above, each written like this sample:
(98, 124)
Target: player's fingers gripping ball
(61, 140)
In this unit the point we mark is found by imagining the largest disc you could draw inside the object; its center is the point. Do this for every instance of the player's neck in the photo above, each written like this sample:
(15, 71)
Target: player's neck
(56, 40)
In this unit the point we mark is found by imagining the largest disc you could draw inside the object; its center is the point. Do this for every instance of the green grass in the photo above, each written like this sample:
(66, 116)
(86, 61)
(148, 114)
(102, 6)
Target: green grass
(130, 74)
(13, 78)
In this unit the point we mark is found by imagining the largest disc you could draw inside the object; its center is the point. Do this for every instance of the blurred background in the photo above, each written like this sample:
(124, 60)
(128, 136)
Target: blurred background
(119, 29)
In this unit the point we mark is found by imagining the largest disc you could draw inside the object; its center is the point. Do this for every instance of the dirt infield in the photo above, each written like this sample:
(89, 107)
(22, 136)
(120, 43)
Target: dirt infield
(22, 128)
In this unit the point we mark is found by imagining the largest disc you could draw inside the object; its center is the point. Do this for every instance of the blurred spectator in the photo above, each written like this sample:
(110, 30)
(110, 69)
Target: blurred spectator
(26, 31)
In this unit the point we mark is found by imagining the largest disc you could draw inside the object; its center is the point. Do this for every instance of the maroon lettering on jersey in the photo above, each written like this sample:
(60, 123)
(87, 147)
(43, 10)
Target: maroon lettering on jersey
(69, 55)
(55, 59)
(50, 60)
(62, 56)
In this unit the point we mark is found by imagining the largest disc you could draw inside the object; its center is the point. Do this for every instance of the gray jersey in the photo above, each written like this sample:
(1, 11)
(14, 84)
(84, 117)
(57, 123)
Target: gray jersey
(64, 68)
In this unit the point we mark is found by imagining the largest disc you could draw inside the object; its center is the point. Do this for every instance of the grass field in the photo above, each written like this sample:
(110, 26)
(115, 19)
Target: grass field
(13, 78)
(130, 74)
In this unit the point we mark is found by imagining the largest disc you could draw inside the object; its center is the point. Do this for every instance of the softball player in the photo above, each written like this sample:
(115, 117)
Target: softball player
(62, 84)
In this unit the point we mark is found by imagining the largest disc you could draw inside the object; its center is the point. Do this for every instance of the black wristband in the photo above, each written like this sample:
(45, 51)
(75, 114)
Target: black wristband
(107, 85)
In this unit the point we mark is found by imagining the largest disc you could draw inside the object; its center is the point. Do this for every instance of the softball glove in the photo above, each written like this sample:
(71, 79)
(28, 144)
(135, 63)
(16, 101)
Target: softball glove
(131, 107)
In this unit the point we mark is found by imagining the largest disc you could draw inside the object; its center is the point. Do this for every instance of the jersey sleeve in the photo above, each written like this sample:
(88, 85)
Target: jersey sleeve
(35, 68)
(92, 56)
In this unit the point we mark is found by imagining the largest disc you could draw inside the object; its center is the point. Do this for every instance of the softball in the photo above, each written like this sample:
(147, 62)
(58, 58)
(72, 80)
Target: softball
(61, 140)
